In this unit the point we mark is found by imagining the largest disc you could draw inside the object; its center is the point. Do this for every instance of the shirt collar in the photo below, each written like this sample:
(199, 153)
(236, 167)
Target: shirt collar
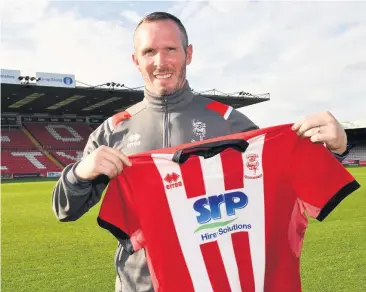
(176, 100)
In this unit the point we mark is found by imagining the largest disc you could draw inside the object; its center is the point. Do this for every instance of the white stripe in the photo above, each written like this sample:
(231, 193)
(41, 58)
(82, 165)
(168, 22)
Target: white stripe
(228, 112)
(215, 185)
(254, 188)
(228, 257)
(163, 156)
(213, 176)
(185, 221)
(184, 218)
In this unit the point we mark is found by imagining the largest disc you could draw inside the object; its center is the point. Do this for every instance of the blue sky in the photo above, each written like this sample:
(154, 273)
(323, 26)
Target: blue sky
(310, 56)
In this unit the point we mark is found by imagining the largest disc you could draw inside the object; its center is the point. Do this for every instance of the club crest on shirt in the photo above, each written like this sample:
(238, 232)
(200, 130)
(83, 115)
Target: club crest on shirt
(199, 130)
(253, 166)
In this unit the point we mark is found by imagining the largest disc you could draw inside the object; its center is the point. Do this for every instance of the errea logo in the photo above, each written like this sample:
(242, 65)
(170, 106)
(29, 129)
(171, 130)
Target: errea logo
(172, 180)
(133, 140)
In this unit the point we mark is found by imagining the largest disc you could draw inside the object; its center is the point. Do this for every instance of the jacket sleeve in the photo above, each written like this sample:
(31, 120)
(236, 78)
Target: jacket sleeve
(73, 197)
(240, 122)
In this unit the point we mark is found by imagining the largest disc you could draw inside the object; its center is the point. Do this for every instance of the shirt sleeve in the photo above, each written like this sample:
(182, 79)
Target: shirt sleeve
(319, 180)
(117, 213)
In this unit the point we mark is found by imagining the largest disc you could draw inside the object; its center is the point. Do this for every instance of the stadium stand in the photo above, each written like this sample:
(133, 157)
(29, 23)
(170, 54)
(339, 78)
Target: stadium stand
(26, 163)
(24, 155)
(15, 138)
(356, 133)
(41, 149)
(67, 156)
(358, 153)
(94, 127)
(60, 136)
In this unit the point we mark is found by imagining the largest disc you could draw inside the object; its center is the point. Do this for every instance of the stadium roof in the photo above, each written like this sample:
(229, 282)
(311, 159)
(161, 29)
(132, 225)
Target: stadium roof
(357, 124)
(30, 99)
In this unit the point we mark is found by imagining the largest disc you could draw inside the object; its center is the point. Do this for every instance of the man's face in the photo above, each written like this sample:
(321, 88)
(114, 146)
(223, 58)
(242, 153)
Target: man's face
(161, 57)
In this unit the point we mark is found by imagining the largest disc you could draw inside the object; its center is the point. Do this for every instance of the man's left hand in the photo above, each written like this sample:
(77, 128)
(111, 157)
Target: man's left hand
(323, 128)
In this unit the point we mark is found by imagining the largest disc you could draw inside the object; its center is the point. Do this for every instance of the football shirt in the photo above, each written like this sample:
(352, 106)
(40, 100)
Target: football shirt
(225, 214)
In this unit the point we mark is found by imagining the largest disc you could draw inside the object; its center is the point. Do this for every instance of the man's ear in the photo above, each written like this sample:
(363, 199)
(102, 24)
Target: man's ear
(135, 61)
(189, 52)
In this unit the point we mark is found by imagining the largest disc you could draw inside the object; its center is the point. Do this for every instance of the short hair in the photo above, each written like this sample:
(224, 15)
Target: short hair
(156, 16)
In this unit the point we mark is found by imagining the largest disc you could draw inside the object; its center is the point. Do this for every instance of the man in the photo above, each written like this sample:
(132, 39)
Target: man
(168, 116)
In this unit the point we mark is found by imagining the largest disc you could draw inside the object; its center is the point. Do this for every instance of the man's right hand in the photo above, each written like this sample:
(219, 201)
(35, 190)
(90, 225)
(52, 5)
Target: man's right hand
(104, 160)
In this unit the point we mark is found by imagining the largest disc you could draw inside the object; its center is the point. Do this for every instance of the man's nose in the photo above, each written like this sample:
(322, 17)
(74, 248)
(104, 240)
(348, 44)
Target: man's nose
(160, 59)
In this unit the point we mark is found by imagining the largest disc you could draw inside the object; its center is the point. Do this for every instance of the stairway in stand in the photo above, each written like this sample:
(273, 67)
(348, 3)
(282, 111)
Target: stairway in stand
(40, 148)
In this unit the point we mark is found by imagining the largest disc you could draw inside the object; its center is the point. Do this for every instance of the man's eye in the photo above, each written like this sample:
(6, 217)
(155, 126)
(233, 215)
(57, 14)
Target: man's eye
(148, 51)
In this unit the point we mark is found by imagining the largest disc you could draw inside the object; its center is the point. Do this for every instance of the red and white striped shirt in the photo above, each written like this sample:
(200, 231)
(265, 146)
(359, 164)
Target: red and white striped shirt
(231, 221)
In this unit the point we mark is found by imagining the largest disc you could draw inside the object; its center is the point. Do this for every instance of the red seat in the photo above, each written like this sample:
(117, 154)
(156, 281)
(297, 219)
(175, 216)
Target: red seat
(14, 138)
(16, 162)
(67, 156)
(64, 141)
(60, 136)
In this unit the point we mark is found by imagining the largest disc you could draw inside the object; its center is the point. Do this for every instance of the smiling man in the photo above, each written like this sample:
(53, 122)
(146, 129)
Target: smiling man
(169, 115)
(162, 55)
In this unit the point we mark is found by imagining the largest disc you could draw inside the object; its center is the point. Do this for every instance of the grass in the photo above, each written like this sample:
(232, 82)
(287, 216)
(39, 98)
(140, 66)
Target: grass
(40, 254)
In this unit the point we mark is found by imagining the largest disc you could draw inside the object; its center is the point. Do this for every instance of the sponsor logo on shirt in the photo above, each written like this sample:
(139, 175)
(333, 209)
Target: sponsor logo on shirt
(218, 213)
(133, 140)
(253, 166)
(172, 180)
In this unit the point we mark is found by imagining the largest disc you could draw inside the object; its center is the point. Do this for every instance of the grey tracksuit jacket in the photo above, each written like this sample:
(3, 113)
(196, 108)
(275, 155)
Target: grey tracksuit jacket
(156, 122)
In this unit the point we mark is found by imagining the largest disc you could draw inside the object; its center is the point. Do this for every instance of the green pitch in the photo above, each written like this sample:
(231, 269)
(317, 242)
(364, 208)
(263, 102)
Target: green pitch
(40, 254)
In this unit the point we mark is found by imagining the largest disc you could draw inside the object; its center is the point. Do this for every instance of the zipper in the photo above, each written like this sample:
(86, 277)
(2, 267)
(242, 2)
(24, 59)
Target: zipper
(165, 125)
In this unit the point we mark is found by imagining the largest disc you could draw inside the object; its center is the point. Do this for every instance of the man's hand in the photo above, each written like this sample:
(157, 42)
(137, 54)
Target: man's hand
(323, 128)
(104, 160)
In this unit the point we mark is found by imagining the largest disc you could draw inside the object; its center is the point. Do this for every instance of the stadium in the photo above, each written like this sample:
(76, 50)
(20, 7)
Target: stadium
(45, 123)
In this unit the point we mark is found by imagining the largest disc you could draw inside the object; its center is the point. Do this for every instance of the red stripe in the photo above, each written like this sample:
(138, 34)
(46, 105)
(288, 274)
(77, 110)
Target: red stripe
(117, 118)
(117, 209)
(166, 264)
(244, 260)
(215, 267)
(233, 168)
(218, 107)
(193, 177)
